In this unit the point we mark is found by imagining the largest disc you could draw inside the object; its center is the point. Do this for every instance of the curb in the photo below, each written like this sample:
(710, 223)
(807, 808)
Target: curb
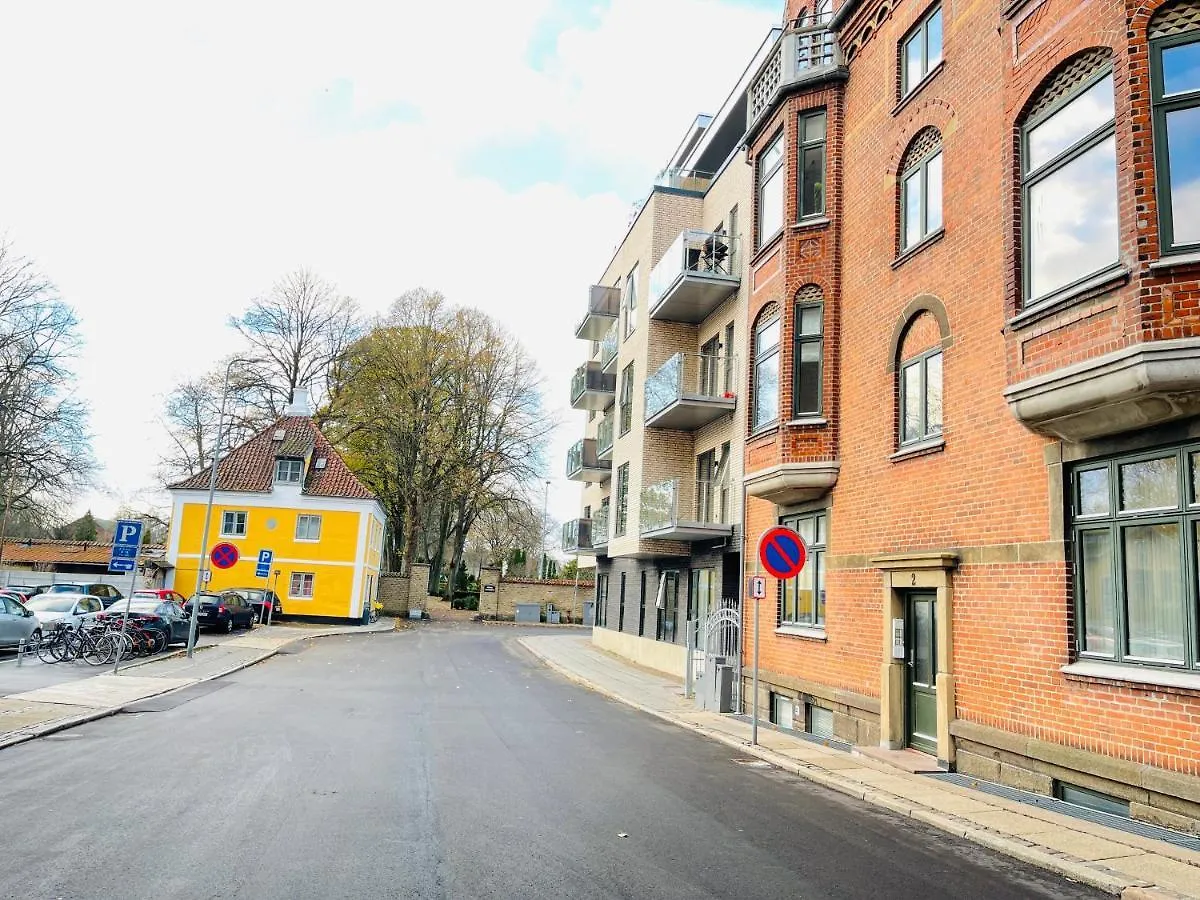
(1078, 870)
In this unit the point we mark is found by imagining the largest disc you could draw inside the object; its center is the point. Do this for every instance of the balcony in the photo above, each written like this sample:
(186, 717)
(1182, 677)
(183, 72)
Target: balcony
(684, 180)
(689, 391)
(604, 437)
(577, 536)
(808, 51)
(592, 388)
(604, 303)
(608, 350)
(669, 516)
(697, 274)
(599, 533)
(584, 465)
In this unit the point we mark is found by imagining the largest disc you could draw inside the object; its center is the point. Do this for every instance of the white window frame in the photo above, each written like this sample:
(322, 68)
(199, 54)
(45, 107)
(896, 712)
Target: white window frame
(910, 81)
(307, 579)
(245, 524)
(288, 461)
(308, 519)
(765, 177)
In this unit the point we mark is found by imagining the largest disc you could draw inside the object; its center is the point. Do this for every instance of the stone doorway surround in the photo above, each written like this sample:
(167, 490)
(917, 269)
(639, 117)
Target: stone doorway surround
(928, 570)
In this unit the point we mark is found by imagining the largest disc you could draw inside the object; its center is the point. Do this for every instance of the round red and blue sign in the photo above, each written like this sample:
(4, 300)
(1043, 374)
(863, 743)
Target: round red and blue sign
(224, 555)
(782, 552)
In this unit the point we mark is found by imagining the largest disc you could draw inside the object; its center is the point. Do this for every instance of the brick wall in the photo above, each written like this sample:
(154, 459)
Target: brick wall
(565, 595)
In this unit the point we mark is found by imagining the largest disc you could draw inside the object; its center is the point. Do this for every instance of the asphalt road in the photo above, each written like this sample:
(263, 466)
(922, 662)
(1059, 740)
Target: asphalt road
(443, 763)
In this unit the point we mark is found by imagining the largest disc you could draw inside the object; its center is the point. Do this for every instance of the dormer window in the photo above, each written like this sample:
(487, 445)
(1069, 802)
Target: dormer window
(288, 471)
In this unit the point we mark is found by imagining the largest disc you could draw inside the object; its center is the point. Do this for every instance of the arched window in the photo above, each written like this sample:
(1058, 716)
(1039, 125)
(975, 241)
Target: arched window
(765, 383)
(807, 351)
(1069, 178)
(921, 188)
(919, 375)
(1175, 84)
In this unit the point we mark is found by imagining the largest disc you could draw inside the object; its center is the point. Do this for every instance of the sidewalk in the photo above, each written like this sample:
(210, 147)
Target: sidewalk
(1119, 863)
(30, 714)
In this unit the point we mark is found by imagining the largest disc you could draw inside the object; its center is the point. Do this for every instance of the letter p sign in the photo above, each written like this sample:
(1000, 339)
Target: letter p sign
(128, 533)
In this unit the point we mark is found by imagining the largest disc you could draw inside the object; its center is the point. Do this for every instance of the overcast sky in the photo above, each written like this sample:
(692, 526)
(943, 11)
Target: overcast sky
(164, 163)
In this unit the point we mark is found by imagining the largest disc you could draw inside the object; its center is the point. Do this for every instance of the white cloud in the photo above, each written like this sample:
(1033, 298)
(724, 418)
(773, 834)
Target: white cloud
(164, 164)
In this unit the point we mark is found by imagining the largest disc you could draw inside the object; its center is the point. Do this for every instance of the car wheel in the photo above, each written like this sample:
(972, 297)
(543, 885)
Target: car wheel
(227, 625)
(36, 637)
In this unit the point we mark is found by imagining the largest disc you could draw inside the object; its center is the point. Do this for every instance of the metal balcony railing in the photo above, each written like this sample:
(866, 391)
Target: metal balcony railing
(698, 272)
(806, 51)
(689, 390)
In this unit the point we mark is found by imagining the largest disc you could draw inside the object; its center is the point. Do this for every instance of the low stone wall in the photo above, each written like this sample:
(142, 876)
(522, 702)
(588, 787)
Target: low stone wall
(498, 597)
(670, 659)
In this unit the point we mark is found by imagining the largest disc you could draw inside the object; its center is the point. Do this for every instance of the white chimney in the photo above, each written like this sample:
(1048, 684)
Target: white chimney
(300, 405)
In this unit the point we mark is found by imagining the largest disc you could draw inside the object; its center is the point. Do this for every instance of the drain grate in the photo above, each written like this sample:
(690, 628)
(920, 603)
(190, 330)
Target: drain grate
(1120, 823)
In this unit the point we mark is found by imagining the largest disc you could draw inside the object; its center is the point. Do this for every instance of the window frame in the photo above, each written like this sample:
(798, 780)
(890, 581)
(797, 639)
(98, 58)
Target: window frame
(310, 517)
(621, 517)
(281, 461)
(245, 524)
(1160, 107)
(907, 84)
(801, 145)
(761, 239)
(920, 169)
(630, 303)
(1031, 178)
(921, 360)
(798, 340)
(772, 354)
(817, 551)
(625, 402)
(306, 578)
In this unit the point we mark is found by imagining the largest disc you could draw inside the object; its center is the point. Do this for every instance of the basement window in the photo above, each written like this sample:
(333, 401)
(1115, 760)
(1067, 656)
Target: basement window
(818, 721)
(781, 711)
(1089, 799)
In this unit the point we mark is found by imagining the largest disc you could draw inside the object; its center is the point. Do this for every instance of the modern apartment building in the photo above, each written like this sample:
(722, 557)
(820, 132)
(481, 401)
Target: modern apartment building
(661, 449)
(972, 383)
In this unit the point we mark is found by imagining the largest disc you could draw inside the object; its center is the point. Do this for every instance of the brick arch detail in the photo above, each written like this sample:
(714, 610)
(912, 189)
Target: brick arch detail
(932, 113)
(925, 303)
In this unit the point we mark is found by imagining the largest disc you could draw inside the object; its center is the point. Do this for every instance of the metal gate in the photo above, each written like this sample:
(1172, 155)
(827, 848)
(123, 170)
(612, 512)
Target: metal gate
(719, 639)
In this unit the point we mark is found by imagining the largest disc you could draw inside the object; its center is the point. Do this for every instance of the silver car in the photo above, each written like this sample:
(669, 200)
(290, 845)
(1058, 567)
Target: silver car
(17, 623)
(70, 609)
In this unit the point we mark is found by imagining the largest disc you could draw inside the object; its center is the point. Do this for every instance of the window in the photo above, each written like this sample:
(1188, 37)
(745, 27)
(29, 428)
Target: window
(602, 601)
(921, 189)
(807, 352)
(1069, 183)
(802, 599)
(666, 603)
(1136, 539)
(642, 607)
(771, 178)
(626, 399)
(308, 528)
(622, 500)
(288, 471)
(631, 301)
(766, 371)
(711, 367)
(811, 178)
(1175, 84)
(921, 397)
(233, 523)
(728, 350)
(921, 51)
(621, 606)
(301, 586)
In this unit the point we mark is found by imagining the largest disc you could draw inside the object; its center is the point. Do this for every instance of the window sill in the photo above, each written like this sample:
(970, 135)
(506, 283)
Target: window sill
(307, 540)
(919, 448)
(765, 250)
(812, 222)
(928, 241)
(1178, 260)
(807, 420)
(1100, 283)
(763, 430)
(917, 88)
(1138, 675)
(233, 537)
(806, 632)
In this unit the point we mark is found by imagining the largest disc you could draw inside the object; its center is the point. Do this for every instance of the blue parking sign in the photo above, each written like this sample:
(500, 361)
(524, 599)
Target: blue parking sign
(127, 540)
(263, 569)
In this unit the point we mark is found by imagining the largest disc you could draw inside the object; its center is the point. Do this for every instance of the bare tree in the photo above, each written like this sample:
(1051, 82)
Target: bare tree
(189, 416)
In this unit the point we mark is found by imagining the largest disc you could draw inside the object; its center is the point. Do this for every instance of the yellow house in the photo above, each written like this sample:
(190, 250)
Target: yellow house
(288, 491)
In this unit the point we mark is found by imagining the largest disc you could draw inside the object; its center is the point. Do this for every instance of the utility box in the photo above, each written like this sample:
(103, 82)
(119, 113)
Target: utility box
(553, 616)
(530, 613)
(415, 612)
(714, 687)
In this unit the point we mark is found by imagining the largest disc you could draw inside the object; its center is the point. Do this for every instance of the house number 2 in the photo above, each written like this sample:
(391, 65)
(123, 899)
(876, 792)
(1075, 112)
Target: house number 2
(914, 579)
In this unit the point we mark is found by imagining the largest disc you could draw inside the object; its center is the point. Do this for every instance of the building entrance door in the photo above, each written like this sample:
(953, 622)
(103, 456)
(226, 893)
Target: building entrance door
(920, 636)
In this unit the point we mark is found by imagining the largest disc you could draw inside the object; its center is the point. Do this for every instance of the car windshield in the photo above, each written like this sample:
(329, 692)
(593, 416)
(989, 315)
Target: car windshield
(253, 596)
(137, 606)
(206, 598)
(46, 603)
(145, 595)
(66, 589)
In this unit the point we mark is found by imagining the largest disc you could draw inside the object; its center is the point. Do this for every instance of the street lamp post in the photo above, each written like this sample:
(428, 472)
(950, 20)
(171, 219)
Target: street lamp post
(194, 626)
(543, 568)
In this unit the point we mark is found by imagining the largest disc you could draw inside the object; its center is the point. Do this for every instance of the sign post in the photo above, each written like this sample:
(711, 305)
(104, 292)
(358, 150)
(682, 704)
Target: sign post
(781, 551)
(127, 543)
(263, 571)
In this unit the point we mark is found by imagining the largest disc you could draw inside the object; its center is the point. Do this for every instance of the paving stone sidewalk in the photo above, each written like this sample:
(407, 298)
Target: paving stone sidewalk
(1126, 865)
(30, 714)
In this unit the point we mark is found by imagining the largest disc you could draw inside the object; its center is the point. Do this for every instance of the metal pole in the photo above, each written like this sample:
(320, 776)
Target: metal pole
(689, 678)
(545, 511)
(129, 600)
(271, 608)
(754, 699)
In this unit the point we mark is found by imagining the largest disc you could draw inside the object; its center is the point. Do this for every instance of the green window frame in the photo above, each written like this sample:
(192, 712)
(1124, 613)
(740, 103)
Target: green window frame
(808, 358)
(921, 409)
(626, 400)
(620, 525)
(1179, 105)
(1135, 529)
(802, 599)
(920, 51)
(810, 164)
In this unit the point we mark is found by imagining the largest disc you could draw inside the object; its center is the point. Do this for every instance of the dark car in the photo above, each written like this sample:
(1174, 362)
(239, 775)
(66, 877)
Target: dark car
(26, 590)
(157, 615)
(223, 611)
(259, 599)
(107, 594)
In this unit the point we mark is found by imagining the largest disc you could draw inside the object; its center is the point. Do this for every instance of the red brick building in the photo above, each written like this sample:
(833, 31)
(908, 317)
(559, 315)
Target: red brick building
(974, 387)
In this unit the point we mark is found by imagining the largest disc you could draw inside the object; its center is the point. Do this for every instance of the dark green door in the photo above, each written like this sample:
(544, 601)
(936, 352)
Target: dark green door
(920, 635)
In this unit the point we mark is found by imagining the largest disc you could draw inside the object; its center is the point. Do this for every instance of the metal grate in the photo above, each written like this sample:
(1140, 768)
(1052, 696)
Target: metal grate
(1069, 77)
(810, 293)
(927, 141)
(1176, 19)
(1120, 823)
(766, 83)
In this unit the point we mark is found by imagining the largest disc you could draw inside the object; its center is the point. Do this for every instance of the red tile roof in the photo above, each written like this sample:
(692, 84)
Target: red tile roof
(250, 468)
(38, 550)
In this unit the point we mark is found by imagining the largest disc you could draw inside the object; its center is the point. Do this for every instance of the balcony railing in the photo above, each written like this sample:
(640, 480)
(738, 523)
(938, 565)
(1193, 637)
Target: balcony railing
(608, 350)
(584, 465)
(667, 514)
(808, 50)
(690, 390)
(684, 179)
(604, 437)
(699, 272)
(592, 388)
(577, 536)
(600, 528)
(604, 303)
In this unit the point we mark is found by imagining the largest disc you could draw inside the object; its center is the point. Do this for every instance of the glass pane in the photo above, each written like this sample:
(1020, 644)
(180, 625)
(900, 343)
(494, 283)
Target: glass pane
(1154, 591)
(820, 539)
(912, 208)
(805, 601)
(1099, 592)
(819, 566)
(768, 337)
(810, 320)
(914, 64)
(911, 403)
(808, 378)
(933, 194)
(933, 394)
(933, 31)
(1183, 137)
(1150, 484)
(1093, 492)
(814, 127)
(766, 391)
(772, 155)
(1070, 124)
(805, 528)
(923, 642)
(1195, 498)
(812, 194)
(770, 205)
(1181, 68)
(1073, 220)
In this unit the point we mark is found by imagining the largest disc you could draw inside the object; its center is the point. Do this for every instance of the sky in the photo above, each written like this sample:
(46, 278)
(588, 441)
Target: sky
(166, 163)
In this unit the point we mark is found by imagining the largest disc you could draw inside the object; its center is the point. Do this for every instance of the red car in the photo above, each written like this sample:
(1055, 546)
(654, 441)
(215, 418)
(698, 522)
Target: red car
(161, 594)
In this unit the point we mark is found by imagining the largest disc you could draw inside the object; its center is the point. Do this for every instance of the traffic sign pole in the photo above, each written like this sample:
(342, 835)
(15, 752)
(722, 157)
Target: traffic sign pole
(781, 551)
(123, 530)
(754, 699)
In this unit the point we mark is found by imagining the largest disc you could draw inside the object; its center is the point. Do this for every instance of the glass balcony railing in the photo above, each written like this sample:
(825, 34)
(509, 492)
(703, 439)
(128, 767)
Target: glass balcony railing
(690, 390)
(684, 179)
(608, 348)
(696, 274)
(600, 527)
(577, 535)
(604, 303)
(660, 505)
(705, 514)
(592, 388)
(604, 436)
(584, 465)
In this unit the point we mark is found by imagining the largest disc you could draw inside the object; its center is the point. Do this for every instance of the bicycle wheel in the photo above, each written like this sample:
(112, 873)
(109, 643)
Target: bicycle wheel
(49, 649)
(160, 641)
(95, 650)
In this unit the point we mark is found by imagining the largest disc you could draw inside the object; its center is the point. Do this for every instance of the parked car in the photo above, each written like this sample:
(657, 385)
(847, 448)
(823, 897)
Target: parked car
(259, 599)
(156, 615)
(70, 609)
(163, 594)
(106, 592)
(17, 623)
(26, 590)
(223, 611)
